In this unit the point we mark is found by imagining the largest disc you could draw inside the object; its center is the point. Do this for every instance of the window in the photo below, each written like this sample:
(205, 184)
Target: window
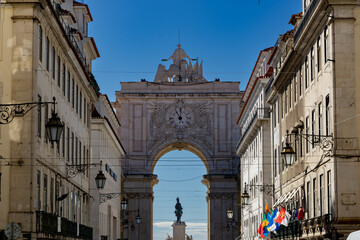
(329, 201)
(80, 160)
(40, 43)
(39, 118)
(286, 100)
(46, 118)
(313, 127)
(308, 200)
(295, 87)
(300, 81)
(52, 195)
(319, 54)
(62, 208)
(59, 71)
(321, 194)
(312, 64)
(68, 204)
(314, 197)
(47, 54)
(64, 78)
(63, 142)
(53, 62)
(327, 115)
(80, 105)
(72, 148)
(326, 44)
(320, 119)
(69, 88)
(38, 190)
(306, 73)
(68, 144)
(57, 192)
(76, 151)
(275, 161)
(68, 77)
(307, 133)
(84, 157)
(85, 111)
(77, 99)
(290, 94)
(73, 93)
(45, 192)
(87, 162)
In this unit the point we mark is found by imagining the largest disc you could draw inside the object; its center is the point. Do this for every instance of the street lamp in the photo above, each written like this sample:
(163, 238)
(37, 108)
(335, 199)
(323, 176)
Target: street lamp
(288, 152)
(325, 142)
(54, 126)
(230, 214)
(124, 204)
(100, 180)
(138, 218)
(245, 197)
(74, 169)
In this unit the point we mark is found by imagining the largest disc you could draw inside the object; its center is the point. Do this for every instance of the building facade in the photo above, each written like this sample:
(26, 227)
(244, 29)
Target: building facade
(314, 104)
(106, 147)
(45, 52)
(254, 147)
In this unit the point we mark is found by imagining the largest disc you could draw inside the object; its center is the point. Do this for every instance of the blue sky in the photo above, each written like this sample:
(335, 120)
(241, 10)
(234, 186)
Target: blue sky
(134, 35)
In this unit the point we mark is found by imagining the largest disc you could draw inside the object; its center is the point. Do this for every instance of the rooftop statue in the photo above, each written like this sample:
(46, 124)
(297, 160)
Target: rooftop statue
(181, 70)
(178, 210)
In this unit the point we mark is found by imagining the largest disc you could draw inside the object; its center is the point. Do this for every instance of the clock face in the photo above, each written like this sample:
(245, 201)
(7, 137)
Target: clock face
(179, 117)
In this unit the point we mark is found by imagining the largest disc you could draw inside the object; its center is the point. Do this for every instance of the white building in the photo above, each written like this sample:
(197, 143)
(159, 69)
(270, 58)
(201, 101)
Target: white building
(254, 147)
(106, 148)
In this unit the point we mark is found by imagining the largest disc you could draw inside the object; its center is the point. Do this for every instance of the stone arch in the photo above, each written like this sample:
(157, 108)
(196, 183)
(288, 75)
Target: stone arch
(174, 144)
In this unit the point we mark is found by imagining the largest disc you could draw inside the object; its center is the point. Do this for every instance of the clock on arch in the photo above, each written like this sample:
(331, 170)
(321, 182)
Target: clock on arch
(180, 117)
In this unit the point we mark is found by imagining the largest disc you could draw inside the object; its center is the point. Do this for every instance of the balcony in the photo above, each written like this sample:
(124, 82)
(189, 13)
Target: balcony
(52, 224)
(304, 22)
(313, 227)
(253, 123)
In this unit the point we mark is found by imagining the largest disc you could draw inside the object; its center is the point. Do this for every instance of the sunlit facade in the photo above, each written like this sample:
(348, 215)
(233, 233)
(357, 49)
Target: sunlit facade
(45, 52)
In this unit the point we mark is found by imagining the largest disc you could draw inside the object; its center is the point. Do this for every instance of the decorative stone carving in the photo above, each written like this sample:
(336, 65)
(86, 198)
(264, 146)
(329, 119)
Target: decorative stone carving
(167, 122)
(181, 70)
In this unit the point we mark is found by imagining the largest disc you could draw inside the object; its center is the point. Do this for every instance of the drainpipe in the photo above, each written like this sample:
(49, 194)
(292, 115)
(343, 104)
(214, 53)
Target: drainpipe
(332, 27)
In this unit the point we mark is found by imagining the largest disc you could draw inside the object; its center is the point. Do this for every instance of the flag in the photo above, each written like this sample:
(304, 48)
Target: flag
(263, 231)
(267, 209)
(281, 215)
(272, 226)
(261, 227)
(285, 221)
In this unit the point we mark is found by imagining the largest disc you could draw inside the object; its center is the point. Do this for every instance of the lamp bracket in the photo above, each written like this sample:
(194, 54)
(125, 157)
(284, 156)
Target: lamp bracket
(73, 169)
(325, 142)
(268, 189)
(10, 111)
(107, 196)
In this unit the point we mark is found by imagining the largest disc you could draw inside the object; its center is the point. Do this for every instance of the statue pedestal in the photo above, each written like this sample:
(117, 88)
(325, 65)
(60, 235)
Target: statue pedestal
(179, 230)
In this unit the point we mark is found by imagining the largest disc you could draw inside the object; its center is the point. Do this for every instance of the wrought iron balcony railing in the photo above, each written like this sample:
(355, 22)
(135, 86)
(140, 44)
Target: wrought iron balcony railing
(300, 228)
(52, 224)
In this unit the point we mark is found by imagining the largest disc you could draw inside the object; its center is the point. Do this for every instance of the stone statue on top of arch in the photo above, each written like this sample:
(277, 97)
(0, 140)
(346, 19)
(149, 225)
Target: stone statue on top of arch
(181, 70)
(178, 210)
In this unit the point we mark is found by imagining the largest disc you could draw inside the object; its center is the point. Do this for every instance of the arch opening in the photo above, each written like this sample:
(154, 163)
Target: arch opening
(180, 173)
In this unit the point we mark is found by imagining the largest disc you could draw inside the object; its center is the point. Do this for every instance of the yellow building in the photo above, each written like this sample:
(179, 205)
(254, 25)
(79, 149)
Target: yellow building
(45, 52)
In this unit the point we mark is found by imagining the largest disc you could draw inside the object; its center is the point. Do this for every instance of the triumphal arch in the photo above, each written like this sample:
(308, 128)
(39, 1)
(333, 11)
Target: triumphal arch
(180, 109)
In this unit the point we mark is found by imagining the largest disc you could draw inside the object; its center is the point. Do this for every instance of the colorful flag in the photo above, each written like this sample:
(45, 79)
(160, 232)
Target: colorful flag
(261, 227)
(272, 225)
(285, 221)
(267, 209)
(281, 216)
